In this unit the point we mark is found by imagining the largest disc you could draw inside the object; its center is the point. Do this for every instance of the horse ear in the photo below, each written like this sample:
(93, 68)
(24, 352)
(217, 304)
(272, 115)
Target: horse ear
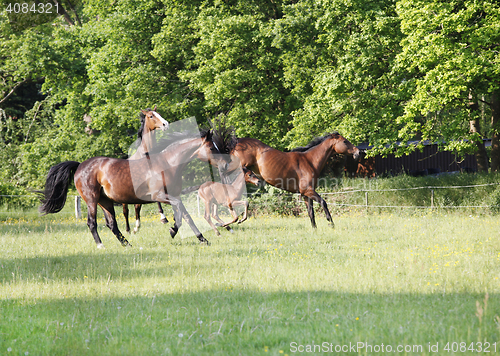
(144, 112)
(154, 108)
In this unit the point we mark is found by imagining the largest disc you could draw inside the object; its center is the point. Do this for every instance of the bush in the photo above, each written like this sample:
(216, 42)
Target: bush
(15, 198)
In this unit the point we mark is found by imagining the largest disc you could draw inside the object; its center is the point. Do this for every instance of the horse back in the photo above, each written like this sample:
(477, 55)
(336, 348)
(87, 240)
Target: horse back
(109, 176)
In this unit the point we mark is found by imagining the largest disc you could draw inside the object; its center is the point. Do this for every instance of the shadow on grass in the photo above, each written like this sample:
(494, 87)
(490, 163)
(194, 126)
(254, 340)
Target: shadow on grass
(245, 322)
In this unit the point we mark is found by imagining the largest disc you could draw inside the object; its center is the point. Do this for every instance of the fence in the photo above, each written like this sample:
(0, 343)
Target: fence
(366, 203)
(431, 197)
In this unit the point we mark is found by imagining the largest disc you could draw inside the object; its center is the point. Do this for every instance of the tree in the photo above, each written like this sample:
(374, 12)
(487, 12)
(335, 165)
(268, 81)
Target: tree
(450, 55)
(224, 56)
(352, 86)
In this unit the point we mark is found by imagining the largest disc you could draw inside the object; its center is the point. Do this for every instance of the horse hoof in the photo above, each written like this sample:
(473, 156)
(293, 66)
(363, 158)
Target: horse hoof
(136, 231)
(332, 225)
(173, 232)
(164, 220)
(231, 231)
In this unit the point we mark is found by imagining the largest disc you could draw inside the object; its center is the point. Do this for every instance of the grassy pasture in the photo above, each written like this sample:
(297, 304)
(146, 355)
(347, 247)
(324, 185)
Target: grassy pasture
(400, 279)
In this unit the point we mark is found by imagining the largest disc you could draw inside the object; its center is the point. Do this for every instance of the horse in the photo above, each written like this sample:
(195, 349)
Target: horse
(222, 133)
(297, 171)
(229, 195)
(155, 178)
(150, 121)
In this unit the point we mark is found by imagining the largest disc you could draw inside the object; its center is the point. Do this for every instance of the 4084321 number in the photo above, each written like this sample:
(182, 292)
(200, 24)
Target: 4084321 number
(25, 8)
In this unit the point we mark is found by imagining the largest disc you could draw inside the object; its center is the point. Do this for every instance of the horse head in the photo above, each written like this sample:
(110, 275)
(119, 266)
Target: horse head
(343, 146)
(153, 120)
(250, 177)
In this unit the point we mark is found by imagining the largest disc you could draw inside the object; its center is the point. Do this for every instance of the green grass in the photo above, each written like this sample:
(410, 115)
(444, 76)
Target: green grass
(394, 279)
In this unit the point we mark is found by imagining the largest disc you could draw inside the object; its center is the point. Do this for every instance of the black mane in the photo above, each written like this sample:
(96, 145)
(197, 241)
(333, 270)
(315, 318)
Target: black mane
(314, 142)
(142, 117)
(223, 136)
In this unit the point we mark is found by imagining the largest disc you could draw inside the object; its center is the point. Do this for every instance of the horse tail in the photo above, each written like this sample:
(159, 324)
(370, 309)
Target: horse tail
(56, 187)
(190, 189)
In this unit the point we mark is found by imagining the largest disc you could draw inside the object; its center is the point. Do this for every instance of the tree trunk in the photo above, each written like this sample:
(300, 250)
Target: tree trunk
(495, 126)
(475, 127)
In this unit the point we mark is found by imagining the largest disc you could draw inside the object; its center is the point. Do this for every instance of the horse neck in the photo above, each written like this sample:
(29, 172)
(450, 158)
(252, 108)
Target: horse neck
(318, 155)
(145, 145)
(183, 152)
(147, 139)
(239, 183)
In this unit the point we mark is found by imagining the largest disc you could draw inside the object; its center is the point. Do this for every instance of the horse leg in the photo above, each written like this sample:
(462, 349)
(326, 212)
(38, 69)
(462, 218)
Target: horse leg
(245, 212)
(92, 222)
(109, 215)
(233, 214)
(162, 216)
(177, 219)
(137, 217)
(219, 220)
(125, 215)
(310, 210)
(191, 224)
(208, 208)
(323, 204)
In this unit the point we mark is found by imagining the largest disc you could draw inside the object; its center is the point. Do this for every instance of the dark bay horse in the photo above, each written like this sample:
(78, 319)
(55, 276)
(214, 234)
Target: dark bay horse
(156, 178)
(229, 195)
(150, 121)
(297, 171)
(224, 141)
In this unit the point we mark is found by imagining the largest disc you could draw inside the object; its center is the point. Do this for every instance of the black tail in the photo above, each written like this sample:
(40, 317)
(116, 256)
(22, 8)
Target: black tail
(56, 187)
(190, 189)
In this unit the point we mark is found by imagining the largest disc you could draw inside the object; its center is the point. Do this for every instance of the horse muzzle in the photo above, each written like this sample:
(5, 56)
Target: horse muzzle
(356, 154)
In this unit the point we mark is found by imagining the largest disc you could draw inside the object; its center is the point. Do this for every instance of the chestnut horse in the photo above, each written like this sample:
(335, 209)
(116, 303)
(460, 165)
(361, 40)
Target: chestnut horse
(229, 195)
(103, 181)
(297, 171)
(150, 121)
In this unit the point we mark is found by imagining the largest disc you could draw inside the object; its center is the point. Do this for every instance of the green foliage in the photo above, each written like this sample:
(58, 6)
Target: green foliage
(273, 201)
(16, 198)
(71, 86)
(448, 53)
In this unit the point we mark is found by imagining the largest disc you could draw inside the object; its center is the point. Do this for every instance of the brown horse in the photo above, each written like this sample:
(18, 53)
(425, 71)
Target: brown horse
(297, 171)
(150, 121)
(156, 178)
(229, 195)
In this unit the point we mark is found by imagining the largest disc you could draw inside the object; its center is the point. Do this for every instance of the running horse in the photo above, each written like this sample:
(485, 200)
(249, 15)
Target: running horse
(104, 181)
(297, 171)
(150, 121)
(229, 195)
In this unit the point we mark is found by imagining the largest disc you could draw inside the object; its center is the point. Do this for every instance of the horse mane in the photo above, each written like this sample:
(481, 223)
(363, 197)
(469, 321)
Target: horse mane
(223, 136)
(314, 142)
(142, 117)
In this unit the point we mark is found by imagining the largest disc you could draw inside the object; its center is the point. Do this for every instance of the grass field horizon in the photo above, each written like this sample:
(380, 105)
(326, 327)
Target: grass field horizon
(415, 279)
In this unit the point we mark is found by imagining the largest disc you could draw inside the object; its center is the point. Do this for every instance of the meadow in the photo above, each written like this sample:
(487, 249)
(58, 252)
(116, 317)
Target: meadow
(420, 282)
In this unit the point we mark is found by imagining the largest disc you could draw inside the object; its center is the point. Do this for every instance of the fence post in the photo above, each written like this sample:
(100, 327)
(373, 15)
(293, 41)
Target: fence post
(432, 198)
(366, 200)
(78, 207)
